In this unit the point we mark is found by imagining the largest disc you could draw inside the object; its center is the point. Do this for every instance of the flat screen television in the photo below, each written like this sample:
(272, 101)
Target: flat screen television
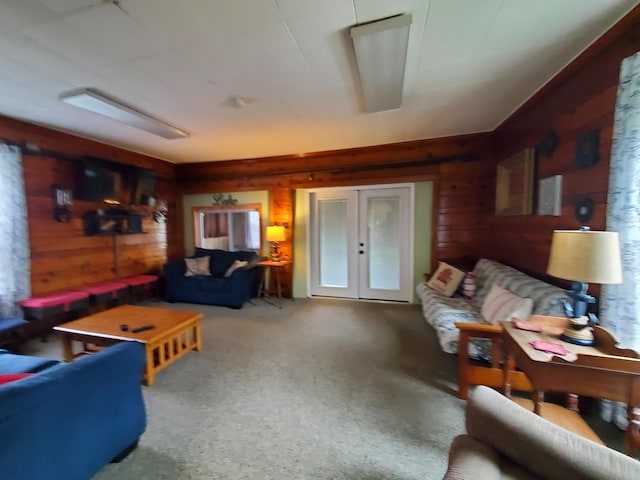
(101, 180)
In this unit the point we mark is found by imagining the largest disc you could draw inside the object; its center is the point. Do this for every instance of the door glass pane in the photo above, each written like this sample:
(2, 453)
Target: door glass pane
(332, 229)
(383, 222)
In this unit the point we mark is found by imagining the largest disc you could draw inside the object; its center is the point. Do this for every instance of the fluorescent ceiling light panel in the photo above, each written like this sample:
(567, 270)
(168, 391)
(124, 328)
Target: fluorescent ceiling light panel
(381, 53)
(98, 102)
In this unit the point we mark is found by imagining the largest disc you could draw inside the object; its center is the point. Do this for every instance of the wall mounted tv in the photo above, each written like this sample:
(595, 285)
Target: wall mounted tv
(101, 180)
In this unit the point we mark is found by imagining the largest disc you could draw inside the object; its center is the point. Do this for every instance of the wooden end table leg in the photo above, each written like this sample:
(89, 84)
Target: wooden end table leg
(632, 437)
(572, 402)
(278, 287)
(538, 401)
(463, 352)
(509, 366)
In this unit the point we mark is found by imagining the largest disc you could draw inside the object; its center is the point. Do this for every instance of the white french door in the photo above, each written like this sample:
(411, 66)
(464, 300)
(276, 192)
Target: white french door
(361, 243)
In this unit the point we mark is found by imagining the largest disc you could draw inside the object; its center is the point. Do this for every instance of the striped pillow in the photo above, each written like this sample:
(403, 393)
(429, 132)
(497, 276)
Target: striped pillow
(501, 305)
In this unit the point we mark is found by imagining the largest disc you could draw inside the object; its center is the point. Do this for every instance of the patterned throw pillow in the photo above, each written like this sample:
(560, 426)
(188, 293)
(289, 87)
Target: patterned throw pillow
(501, 305)
(446, 279)
(235, 266)
(197, 266)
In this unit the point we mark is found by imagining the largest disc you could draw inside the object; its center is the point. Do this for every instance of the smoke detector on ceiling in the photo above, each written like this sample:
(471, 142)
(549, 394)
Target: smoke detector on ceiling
(237, 101)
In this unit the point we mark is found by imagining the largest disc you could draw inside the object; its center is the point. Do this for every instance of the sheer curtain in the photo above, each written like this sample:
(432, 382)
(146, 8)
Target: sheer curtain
(620, 304)
(14, 235)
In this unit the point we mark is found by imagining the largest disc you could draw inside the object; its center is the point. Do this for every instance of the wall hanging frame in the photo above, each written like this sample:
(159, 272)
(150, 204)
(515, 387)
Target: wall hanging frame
(588, 149)
(514, 184)
(550, 196)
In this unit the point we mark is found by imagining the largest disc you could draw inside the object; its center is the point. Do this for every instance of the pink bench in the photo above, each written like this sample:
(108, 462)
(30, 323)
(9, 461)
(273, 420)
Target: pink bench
(107, 293)
(47, 309)
(44, 307)
(141, 283)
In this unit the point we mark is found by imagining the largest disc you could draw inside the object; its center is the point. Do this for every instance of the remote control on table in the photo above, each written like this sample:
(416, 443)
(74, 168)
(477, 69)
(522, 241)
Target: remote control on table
(143, 328)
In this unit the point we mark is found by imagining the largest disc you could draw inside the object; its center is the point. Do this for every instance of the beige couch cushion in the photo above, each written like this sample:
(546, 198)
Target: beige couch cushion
(501, 305)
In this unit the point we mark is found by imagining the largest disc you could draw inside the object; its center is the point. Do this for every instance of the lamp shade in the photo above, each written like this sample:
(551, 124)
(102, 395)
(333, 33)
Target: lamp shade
(585, 256)
(275, 233)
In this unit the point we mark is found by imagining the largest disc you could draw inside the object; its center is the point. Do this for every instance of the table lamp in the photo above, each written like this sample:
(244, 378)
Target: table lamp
(583, 256)
(275, 235)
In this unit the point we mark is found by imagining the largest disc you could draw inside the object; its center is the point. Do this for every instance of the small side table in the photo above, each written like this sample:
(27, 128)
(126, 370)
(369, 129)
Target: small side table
(276, 270)
(601, 371)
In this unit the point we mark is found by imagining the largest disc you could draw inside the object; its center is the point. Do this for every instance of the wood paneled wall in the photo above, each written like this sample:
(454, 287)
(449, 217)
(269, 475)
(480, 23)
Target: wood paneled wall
(579, 100)
(62, 257)
(457, 165)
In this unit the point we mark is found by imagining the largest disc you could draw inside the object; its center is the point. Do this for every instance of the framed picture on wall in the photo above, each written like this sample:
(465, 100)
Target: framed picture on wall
(550, 196)
(514, 184)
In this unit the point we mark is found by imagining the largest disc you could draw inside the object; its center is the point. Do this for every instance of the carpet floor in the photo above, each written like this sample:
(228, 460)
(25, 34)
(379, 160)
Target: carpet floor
(321, 389)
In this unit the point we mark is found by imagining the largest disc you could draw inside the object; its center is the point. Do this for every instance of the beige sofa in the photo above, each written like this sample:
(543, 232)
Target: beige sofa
(506, 441)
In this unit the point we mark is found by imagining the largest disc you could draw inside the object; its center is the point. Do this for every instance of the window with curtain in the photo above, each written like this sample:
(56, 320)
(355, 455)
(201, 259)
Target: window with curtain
(14, 236)
(620, 304)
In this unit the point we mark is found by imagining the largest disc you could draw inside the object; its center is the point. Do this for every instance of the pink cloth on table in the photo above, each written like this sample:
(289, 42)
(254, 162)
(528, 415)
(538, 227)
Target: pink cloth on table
(54, 300)
(111, 287)
(140, 279)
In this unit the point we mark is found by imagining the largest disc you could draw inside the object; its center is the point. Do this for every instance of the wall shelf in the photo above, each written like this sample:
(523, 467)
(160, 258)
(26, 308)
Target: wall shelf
(109, 224)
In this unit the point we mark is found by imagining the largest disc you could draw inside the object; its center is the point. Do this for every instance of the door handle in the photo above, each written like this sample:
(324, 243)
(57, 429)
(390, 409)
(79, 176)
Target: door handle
(361, 252)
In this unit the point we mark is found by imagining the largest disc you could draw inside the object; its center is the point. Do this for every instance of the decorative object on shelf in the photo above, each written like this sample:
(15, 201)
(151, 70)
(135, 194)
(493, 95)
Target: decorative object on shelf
(584, 256)
(275, 235)
(160, 211)
(62, 201)
(549, 143)
(587, 149)
(514, 184)
(584, 209)
(550, 196)
(218, 199)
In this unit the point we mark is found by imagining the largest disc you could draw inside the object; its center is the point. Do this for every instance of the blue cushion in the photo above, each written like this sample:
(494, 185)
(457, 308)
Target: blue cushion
(10, 323)
(221, 260)
(10, 363)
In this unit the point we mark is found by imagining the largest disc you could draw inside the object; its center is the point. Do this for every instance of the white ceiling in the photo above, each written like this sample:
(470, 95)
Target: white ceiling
(470, 64)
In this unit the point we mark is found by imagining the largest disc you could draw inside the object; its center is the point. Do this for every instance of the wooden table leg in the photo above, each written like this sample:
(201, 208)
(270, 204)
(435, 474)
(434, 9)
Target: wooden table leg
(632, 437)
(538, 401)
(198, 339)
(278, 287)
(261, 287)
(572, 402)
(463, 353)
(149, 369)
(67, 348)
(509, 366)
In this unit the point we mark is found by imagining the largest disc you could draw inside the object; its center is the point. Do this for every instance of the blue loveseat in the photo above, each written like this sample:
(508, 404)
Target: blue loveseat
(214, 289)
(70, 419)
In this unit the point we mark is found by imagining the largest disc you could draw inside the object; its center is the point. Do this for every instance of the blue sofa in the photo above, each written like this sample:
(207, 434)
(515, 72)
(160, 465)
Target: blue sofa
(215, 289)
(70, 419)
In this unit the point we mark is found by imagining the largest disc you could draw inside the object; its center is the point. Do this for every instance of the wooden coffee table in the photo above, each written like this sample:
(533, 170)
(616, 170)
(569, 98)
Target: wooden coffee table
(175, 333)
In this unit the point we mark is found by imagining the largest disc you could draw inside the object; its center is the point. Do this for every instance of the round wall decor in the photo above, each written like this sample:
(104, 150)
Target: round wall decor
(584, 209)
(549, 143)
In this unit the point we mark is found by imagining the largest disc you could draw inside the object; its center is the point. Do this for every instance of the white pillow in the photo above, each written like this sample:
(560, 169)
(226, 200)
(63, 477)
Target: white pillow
(197, 266)
(446, 279)
(235, 266)
(501, 305)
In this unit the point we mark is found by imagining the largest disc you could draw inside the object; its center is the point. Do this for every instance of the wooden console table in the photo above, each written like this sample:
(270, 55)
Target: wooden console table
(603, 371)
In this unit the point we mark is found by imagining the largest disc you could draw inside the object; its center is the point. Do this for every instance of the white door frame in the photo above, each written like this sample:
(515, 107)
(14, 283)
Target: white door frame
(410, 214)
